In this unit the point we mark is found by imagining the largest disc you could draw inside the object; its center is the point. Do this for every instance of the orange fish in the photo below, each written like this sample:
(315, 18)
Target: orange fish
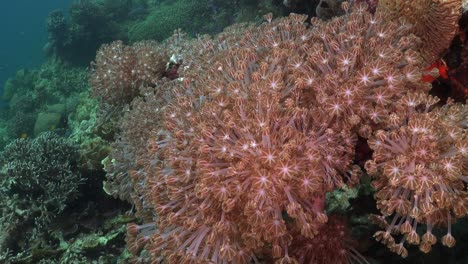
(428, 78)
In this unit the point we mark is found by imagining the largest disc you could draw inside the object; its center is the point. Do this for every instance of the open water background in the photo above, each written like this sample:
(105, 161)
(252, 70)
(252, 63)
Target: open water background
(23, 34)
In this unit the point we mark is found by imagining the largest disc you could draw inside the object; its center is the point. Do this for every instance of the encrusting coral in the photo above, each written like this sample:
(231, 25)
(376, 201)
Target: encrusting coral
(264, 120)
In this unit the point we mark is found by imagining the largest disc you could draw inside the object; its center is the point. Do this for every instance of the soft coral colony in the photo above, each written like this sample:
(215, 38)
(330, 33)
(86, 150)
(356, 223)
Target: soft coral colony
(230, 161)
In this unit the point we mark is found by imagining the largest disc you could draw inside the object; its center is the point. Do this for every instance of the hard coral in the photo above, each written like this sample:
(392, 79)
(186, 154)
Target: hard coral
(76, 37)
(39, 178)
(57, 27)
(192, 17)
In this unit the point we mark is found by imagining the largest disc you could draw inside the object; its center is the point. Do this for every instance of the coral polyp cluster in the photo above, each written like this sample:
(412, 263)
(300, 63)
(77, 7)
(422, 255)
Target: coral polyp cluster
(419, 170)
(247, 151)
(263, 121)
(120, 70)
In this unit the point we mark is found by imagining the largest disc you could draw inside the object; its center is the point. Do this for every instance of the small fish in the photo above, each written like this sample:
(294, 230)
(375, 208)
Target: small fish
(24, 135)
(441, 67)
(428, 78)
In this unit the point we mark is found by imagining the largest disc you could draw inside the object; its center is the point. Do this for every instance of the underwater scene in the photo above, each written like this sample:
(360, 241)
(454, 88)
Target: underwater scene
(234, 131)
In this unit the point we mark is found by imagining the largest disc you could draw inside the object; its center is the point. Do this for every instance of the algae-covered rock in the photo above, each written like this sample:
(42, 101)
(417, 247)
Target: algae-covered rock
(21, 125)
(56, 108)
(41, 99)
(21, 82)
(92, 151)
(338, 200)
(83, 122)
(46, 122)
(4, 138)
(8, 89)
(101, 245)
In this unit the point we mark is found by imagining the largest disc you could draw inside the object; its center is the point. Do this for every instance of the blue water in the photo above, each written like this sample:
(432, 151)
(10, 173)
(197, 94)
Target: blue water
(23, 34)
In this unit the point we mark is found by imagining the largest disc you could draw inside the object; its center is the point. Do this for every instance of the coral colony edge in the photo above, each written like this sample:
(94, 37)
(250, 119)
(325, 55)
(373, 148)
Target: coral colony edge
(334, 137)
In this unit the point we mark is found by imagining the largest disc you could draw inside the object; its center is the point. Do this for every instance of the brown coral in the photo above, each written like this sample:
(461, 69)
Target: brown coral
(259, 134)
(434, 21)
(419, 169)
(356, 67)
(239, 144)
(142, 117)
(327, 9)
(333, 244)
(263, 122)
(120, 70)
